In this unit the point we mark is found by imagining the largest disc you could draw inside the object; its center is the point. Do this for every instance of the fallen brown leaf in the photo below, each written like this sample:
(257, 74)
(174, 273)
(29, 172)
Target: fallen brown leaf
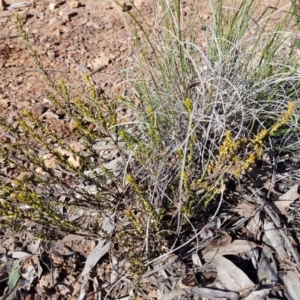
(290, 195)
(281, 207)
(245, 209)
(233, 278)
(235, 248)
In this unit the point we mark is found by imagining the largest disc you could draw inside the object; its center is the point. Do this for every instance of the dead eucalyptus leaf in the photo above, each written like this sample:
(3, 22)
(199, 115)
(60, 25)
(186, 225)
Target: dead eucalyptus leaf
(256, 295)
(292, 285)
(275, 239)
(245, 209)
(100, 250)
(84, 288)
(267, 269)
(72, 237)
(214, 294)
(235, 248)
(20, 254)
(233, 278)
(291, 195)
(281, 207)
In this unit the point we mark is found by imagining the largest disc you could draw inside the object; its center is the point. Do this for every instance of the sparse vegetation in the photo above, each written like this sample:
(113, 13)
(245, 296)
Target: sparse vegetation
(199, 117)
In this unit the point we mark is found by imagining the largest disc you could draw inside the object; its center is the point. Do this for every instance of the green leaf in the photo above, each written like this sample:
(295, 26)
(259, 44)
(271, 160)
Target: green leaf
(14, 277)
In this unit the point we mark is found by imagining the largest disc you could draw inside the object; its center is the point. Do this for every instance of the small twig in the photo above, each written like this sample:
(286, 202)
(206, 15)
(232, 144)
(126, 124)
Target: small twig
(12, 37)
(97, 70)
(38, 70)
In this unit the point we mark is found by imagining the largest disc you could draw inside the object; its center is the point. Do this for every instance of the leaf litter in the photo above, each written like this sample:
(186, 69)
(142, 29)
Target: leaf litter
(213, 269)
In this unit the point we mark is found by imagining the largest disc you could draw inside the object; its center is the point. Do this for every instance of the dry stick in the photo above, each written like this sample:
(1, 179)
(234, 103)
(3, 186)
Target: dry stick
(38, 70)
(12, 37)
(97, 70)
(272, 215)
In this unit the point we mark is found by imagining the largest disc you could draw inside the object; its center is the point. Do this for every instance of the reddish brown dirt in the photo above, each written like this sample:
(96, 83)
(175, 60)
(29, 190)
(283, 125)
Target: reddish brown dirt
(93, 38)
